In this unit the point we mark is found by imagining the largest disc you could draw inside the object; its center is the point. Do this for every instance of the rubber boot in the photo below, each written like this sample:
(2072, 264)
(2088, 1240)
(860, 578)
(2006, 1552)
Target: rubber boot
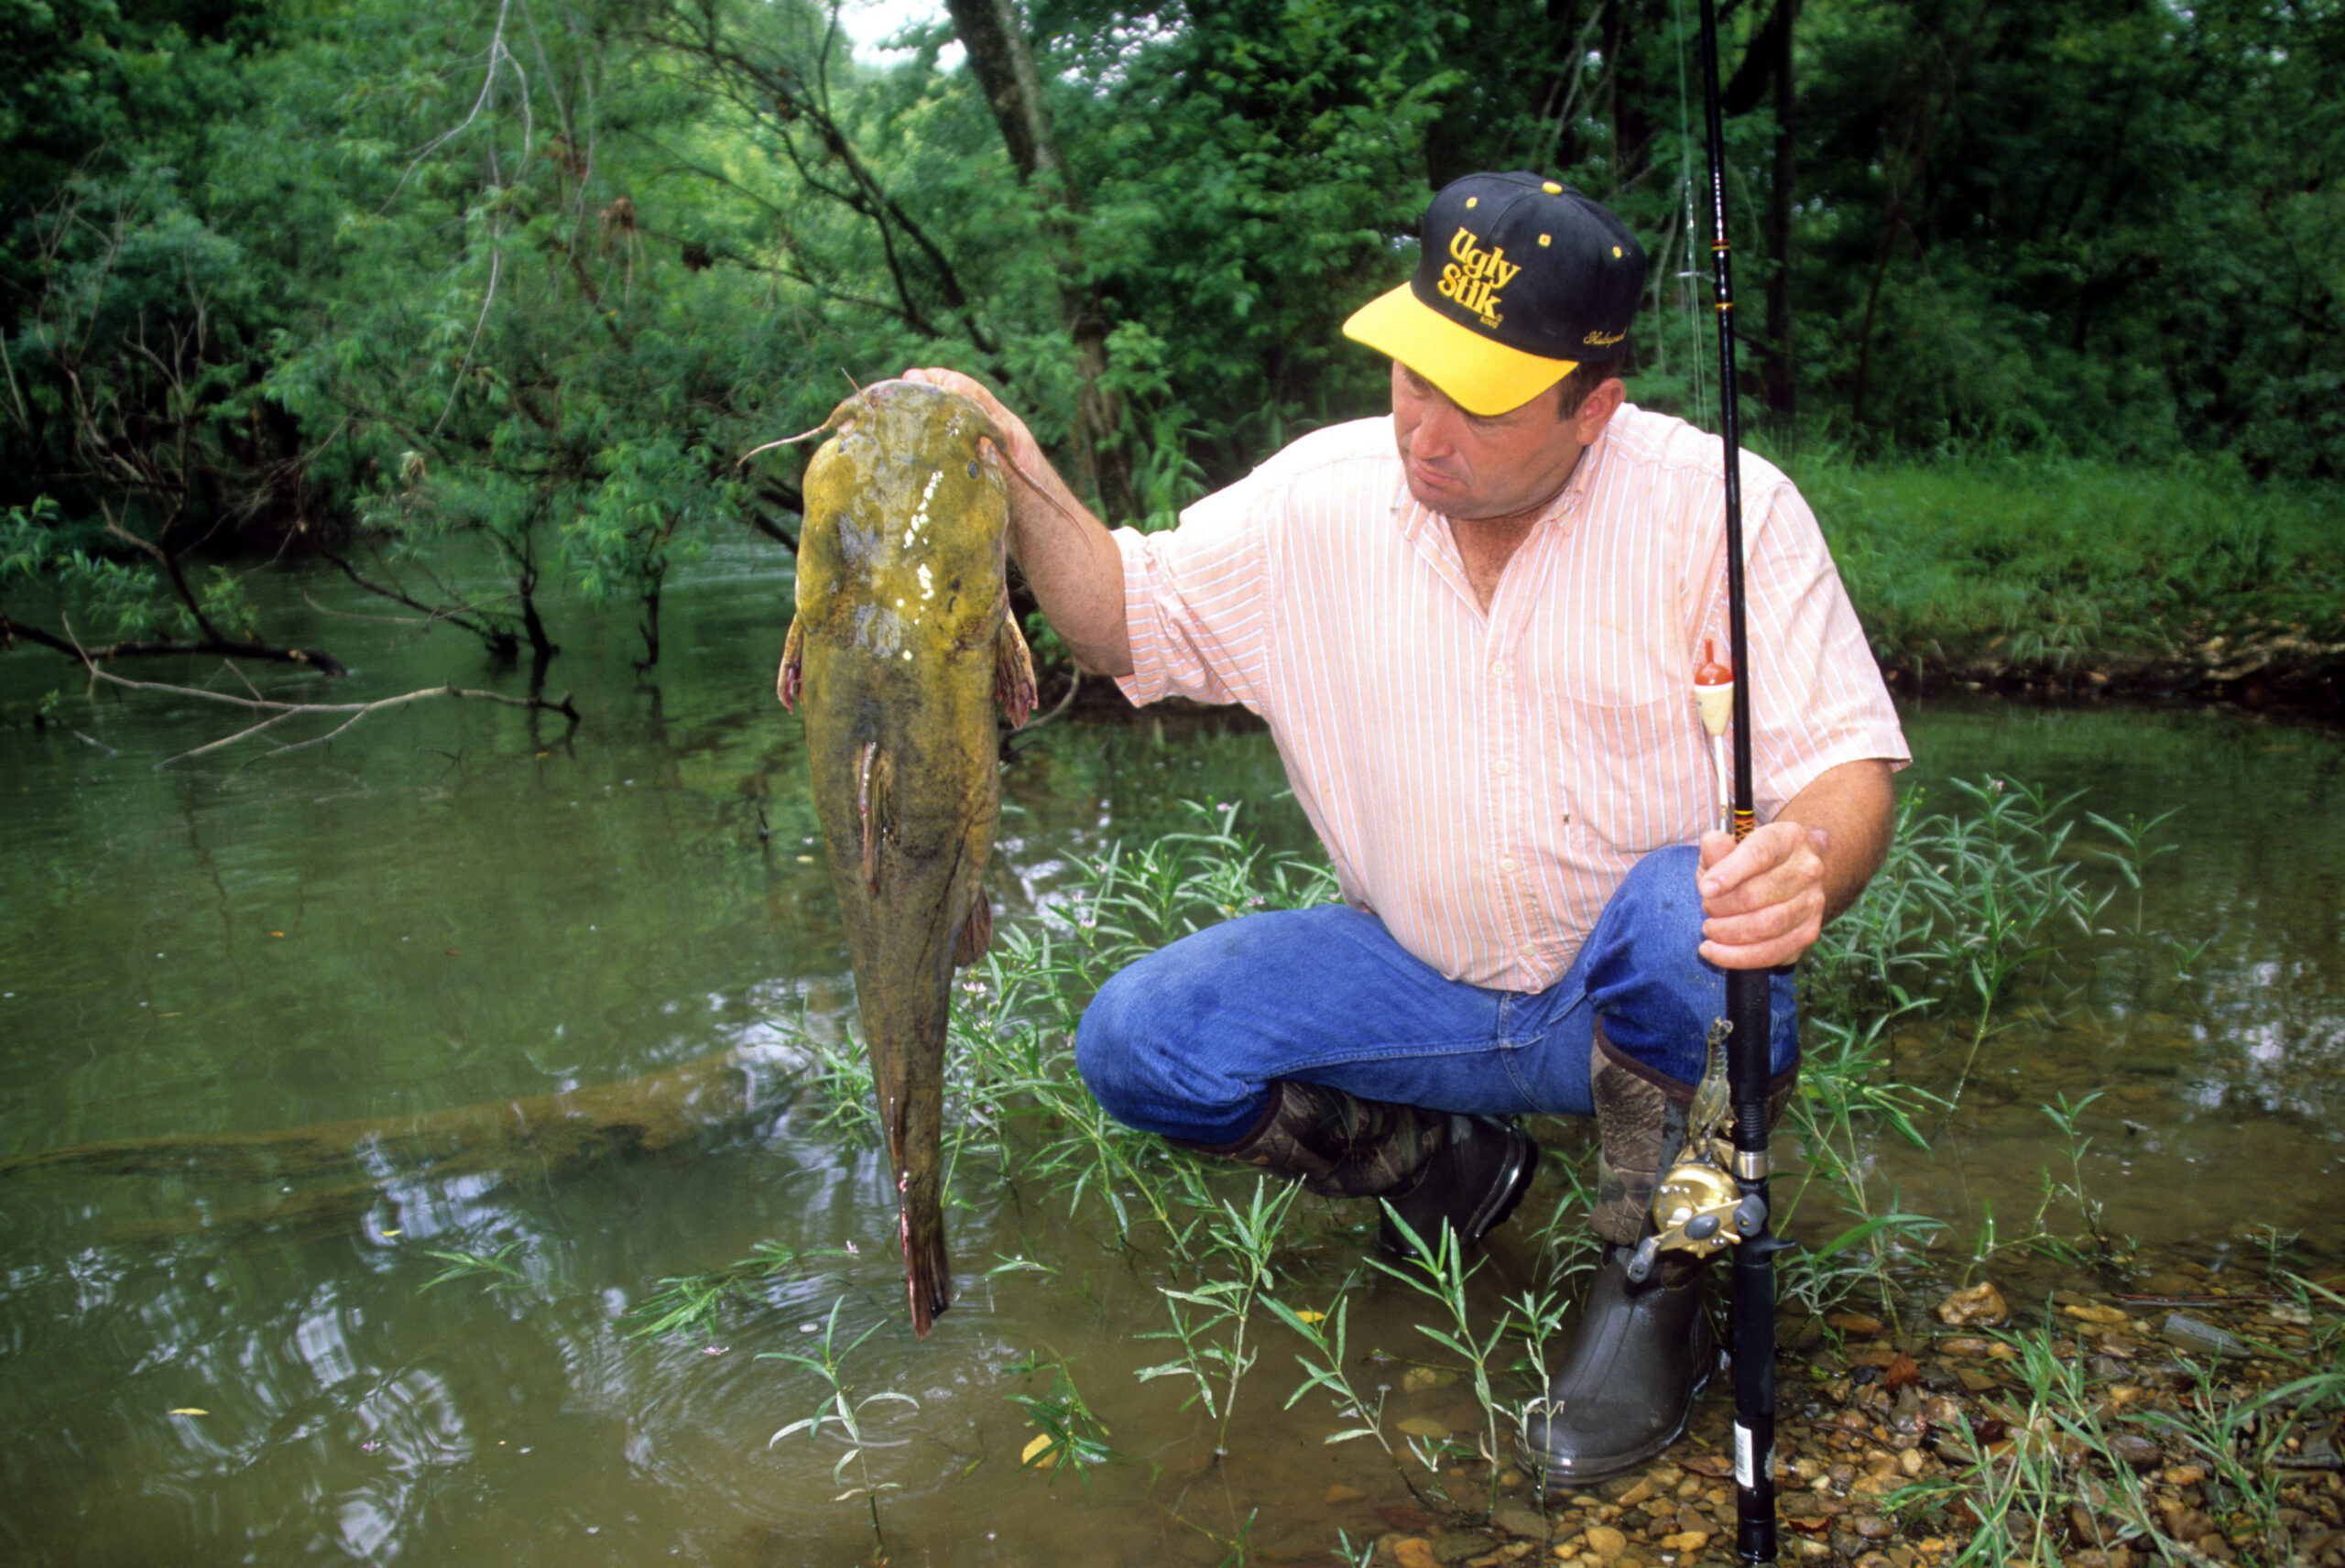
(1643, 1351)
(1436, 1169)
(1472, 1182)
(1641, 1354)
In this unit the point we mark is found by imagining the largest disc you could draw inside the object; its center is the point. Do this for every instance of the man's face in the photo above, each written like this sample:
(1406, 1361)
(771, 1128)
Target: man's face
(1476, 466)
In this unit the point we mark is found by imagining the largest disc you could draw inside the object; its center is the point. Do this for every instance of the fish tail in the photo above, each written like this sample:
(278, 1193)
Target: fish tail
(928, 1271)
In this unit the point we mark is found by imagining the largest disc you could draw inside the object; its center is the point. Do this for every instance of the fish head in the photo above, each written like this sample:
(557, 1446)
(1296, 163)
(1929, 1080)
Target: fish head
(906, 512)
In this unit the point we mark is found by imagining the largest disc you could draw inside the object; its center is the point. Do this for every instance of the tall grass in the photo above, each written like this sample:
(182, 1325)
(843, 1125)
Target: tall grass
(1967, 906)
(2061, 566)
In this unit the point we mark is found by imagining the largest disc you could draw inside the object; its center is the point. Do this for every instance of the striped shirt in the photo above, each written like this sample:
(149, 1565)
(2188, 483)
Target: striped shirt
(1484, 781)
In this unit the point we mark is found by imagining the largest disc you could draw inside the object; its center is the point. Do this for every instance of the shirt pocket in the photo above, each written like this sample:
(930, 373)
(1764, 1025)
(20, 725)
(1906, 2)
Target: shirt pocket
(1639, 774)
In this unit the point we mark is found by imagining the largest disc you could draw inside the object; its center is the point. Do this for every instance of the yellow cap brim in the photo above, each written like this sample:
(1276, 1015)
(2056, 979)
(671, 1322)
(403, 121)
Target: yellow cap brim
(1479, 375)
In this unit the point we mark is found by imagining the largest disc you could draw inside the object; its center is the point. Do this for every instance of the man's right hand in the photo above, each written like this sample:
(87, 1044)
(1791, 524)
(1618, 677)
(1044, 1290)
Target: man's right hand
(1068, 557)
(1024, 452)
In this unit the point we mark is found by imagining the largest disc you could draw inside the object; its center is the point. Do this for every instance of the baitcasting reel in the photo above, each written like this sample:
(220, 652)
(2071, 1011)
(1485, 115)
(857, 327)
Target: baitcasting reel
(1697, 1205)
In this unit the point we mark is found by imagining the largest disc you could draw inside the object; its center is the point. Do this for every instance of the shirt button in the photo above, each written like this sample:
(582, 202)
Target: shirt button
(1497, 666)
(1506, 864)
(1499, 768)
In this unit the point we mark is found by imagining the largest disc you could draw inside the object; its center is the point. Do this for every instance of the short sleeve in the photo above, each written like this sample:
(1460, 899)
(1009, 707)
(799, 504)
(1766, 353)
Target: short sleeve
(1197, 599)
(1816, 694)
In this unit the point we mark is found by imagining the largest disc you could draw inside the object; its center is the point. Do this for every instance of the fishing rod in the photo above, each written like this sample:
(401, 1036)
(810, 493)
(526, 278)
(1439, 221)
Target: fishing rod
(1751, 1317)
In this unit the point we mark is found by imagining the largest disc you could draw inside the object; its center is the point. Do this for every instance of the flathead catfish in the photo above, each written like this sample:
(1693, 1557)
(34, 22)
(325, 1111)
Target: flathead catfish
(902, 646)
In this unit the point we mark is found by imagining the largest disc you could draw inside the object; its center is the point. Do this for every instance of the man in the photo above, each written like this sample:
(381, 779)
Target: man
(1473, 632)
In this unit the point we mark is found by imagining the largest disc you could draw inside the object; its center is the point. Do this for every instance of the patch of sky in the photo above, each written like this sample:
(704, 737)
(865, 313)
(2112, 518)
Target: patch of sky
(877, 28)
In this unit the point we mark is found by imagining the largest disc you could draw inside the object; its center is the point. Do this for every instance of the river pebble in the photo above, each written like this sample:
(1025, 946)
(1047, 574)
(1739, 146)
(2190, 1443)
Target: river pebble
(1851, 1444)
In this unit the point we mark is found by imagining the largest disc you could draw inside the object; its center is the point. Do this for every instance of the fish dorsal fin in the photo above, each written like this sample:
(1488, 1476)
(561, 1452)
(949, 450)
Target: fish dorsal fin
(874, 802)
(977, 931)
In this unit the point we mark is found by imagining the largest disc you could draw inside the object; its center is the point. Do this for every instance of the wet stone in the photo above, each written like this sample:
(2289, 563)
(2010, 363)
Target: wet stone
(2204, 1338)
(2188, 1524)
(1528, 1523)
(2096, 1312)
(1457, 1545)
(1981, 1306)
(1606, 1541)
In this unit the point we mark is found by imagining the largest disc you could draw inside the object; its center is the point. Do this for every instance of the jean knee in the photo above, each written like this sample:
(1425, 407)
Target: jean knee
(1646, 978)
(1659, 899)
(1102, 1045)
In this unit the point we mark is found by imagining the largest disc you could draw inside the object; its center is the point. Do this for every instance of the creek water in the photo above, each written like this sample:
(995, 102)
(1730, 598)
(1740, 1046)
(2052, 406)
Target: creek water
(204, 1361)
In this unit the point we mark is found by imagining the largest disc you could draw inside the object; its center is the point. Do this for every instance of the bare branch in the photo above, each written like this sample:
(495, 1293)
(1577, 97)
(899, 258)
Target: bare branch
(496, 52)
(279, 711)
(488, 298)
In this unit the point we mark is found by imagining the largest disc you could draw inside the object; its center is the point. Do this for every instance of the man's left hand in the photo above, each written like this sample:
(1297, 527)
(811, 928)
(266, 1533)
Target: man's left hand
(1763, 899)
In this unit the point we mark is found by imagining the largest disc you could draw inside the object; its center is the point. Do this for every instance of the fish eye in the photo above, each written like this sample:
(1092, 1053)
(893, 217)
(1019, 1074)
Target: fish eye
(973, 468)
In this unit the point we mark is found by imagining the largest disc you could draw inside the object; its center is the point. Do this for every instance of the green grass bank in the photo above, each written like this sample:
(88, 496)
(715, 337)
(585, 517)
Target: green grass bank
(2077, 575)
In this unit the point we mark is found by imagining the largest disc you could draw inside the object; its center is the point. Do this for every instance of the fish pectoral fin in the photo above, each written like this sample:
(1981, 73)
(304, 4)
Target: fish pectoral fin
(874, 801)
(793, 674)
(977, 931)
(1013, 671)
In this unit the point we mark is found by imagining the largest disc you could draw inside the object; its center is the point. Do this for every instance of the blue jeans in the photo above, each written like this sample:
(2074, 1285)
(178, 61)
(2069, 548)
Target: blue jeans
(1187, 1042)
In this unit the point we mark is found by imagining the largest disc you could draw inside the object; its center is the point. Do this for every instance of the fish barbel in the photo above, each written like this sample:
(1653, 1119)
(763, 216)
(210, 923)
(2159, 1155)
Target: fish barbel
(903, 647)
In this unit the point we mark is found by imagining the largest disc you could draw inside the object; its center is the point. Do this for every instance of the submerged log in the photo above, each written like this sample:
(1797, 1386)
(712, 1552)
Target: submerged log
(329, 1171)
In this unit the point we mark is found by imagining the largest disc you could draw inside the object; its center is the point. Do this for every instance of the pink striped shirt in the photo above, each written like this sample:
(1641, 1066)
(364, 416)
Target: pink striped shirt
(1483, 782)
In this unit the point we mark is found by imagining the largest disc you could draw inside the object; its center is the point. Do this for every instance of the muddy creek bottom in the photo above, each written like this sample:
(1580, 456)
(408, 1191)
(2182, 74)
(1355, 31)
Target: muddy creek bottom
(207, 1362)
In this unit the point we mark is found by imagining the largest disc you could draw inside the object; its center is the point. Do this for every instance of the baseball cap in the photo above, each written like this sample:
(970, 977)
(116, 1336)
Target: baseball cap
(1520, 279)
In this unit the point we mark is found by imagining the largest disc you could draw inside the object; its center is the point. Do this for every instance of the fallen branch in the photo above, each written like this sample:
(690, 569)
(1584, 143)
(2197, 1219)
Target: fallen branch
(279, 711)
(316, 659)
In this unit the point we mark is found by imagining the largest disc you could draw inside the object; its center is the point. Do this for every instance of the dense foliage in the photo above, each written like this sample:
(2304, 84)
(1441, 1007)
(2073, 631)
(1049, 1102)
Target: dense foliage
(363, 275)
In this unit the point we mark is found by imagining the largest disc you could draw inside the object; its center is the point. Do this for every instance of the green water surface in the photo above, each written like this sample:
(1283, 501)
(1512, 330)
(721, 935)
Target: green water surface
(454, 904)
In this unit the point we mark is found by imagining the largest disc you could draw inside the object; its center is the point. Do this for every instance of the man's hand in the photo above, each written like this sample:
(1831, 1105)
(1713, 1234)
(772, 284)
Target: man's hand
(1763, 899)
(1025, 452)
(1070, 563)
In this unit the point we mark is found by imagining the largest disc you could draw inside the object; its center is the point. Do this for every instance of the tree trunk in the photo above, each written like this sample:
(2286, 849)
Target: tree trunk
(1632, 127)
(1780, 381)
(999, 59)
